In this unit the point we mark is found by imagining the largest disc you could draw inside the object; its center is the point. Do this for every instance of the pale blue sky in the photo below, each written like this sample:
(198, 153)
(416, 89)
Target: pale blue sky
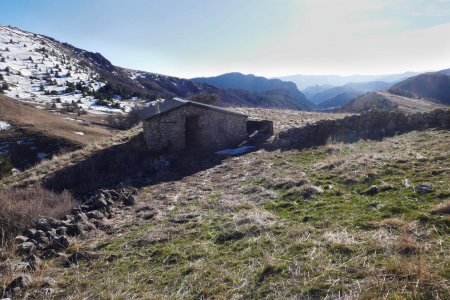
(266, 37)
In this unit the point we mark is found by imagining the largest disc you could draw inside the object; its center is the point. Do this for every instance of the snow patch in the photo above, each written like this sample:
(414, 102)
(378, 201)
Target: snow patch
(78, 132)
(4, 125)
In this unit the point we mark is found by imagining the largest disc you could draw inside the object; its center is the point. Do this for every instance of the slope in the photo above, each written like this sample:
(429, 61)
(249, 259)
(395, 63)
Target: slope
(34, 134)
(434, 86)
(383, 100)
(289, 224)
(346, 93)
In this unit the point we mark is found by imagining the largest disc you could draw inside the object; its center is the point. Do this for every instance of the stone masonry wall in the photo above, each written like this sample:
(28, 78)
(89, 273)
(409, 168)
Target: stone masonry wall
(217, 129)
(372, 125)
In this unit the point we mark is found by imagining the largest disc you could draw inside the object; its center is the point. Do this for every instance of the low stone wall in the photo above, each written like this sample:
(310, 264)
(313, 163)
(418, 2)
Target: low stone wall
(372, 125)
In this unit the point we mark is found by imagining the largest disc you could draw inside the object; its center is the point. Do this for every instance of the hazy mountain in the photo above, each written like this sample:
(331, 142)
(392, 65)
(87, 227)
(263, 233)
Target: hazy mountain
(305, 81)
(445, 72)
(254, 83)
(434, 86)
(337, 96)
(339, 100)
(315, 89)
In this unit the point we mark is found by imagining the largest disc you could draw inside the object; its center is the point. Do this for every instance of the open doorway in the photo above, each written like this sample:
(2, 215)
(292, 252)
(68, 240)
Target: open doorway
(192, 131)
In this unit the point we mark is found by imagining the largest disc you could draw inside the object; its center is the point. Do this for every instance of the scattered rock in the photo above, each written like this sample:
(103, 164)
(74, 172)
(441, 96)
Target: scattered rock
(306, 192)
(21, 282)
(20, 239)
(129, 201)
(48, 282)
(62, 230)
(33, 261)
(95, 214)
(373, 190)
(43, 224)
(74, 229)
(328, 187)
(26, 248)
(59, 243)
(30, 233)
(79, 256)
(184, 218)
(423, 188)
(112, 258)
(49, 253)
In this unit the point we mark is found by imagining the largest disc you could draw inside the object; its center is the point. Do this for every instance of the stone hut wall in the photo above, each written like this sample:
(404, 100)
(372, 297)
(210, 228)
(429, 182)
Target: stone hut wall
(372, 126)
(217, 129)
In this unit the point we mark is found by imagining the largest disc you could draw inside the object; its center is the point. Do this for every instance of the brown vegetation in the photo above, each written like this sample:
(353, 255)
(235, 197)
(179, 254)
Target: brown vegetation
(20, 208)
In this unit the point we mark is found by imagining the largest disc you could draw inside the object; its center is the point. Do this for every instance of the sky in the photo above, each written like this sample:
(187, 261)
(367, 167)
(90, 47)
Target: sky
(190, 38)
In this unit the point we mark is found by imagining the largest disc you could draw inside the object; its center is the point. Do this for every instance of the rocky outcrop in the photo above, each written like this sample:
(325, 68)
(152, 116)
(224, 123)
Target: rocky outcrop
(372, 125)
(49, 236)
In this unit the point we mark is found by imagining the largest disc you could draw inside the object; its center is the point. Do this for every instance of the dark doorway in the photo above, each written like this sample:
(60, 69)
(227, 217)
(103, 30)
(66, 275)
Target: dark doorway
(192, 134)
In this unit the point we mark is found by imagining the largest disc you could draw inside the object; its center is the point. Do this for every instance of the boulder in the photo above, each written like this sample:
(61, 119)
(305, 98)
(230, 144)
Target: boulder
(130, 200)
(49, 253)
(423, 188)
(74, 229)
(21, 282)
(30, 233)
(373, 190)
(48, 282)
(43, 224)
(62, 230)
(79, 256)
(95, 214)
(20, 239)
(26, 248)
(33, 261)
(59, 243)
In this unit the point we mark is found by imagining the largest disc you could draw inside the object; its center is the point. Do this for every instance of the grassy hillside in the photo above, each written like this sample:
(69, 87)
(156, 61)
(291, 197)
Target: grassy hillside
(383, 100)
(434, 86)
(291, 224)
(25, 116)
(257, 226)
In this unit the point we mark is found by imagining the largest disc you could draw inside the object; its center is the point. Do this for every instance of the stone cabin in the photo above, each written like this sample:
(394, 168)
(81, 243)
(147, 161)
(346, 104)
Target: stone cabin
(178, 124)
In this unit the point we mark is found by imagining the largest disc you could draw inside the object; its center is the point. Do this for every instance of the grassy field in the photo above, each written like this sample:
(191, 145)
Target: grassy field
(41, 121)
(296, 224)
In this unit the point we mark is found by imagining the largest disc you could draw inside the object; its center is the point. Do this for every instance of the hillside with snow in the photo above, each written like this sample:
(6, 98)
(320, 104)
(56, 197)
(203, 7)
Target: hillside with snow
(39, 70)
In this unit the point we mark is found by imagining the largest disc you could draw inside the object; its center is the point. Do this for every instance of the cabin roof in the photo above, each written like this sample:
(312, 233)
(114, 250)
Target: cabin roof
(175, 103)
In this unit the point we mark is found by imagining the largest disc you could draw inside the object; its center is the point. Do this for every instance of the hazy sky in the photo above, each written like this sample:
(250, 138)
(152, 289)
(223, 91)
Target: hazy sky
(266, 37)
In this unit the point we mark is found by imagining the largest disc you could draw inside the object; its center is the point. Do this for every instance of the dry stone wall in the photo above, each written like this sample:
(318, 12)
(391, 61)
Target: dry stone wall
(372, 125)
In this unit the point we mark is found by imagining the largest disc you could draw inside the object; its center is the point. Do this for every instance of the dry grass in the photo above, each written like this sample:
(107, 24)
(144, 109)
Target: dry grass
(20, 208)
(442, 208)
(38, 173)
(38, 120)
(284, 118)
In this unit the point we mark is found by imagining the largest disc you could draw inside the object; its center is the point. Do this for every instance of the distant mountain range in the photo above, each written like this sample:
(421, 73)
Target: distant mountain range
(305, 81)
(256, 84)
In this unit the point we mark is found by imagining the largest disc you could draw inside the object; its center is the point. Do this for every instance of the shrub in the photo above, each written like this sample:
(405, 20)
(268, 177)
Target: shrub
(5, 167)
(124, 122)
(22, 207)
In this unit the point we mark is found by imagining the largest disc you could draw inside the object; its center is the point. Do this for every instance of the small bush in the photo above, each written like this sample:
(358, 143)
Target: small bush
(20, 208)
(124, 122)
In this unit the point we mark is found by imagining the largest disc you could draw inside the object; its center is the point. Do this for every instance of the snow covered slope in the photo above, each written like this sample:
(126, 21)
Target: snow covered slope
(43, 71)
